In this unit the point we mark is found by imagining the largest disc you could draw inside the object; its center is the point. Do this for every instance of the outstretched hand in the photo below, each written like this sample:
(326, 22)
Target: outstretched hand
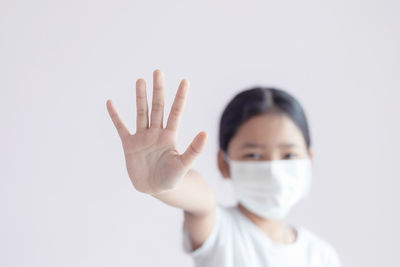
(152, 160)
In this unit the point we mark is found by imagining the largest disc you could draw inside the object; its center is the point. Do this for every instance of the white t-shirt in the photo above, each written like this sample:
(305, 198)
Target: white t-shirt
(235, 241)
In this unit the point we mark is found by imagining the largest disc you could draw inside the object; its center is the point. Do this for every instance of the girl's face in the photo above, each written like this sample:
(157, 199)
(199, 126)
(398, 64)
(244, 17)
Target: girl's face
(270, 136)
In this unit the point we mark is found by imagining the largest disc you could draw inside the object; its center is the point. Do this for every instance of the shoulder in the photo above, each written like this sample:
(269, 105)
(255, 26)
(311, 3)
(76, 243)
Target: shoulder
(319, 246)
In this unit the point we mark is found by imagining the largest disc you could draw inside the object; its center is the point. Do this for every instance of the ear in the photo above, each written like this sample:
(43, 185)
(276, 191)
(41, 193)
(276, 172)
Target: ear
(311, 155)
(223, 166)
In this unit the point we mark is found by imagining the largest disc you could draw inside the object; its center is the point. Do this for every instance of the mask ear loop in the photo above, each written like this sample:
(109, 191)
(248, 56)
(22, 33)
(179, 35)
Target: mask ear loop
(226, 157)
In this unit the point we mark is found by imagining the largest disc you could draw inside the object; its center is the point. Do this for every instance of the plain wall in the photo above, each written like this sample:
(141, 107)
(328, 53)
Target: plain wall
(65, 196)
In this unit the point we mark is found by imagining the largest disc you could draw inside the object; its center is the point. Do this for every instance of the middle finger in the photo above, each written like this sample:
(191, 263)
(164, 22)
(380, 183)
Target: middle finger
(157, 106)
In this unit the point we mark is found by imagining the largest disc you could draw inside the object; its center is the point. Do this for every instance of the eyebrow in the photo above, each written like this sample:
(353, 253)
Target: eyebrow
(255, 145)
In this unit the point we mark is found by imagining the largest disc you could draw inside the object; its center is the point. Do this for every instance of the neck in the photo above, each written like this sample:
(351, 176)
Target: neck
(277, 230)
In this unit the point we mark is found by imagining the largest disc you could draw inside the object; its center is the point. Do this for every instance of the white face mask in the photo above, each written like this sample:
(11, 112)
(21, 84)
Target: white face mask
(270, 188)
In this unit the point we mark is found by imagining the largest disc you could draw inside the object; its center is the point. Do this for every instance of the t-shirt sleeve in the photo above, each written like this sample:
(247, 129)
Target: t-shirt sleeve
(322, 253)
(210, 243)
(333, 259)
(329, 255)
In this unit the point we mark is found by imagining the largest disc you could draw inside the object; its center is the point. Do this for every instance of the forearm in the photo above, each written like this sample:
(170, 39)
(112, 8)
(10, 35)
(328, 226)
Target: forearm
(192, 194)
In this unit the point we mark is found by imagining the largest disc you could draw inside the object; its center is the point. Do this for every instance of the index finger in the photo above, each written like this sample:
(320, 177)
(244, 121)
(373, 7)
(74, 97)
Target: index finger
(177, 106)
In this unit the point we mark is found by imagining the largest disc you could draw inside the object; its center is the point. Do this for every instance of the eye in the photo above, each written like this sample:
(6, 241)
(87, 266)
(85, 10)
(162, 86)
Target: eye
(252, 155)
(290, 156)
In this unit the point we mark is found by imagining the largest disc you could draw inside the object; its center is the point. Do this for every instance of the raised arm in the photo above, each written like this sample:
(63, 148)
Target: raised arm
(155, 166)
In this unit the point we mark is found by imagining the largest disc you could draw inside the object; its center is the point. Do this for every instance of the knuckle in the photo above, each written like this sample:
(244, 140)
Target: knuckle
(176, 111)
(193, 149)
(180, 96)
(141, 112)
(157, 106)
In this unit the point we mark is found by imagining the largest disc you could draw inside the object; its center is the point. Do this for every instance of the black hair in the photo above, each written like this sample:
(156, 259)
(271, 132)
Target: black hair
(256, 101)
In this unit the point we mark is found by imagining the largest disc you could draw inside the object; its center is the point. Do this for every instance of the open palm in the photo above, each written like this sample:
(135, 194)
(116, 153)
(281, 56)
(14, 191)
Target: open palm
(152, 160)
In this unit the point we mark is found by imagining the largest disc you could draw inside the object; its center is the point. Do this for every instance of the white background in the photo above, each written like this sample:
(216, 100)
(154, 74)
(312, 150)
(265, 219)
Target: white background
(65, 196)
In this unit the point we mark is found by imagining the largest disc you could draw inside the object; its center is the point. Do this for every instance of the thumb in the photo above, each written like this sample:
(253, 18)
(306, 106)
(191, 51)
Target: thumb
(194, 149)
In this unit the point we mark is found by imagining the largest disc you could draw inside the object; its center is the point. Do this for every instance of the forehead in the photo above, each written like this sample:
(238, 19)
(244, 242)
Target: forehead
(271, 130)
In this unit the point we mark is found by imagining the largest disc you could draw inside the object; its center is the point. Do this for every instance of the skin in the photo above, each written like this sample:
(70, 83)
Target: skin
(276, 137)
(155, 166)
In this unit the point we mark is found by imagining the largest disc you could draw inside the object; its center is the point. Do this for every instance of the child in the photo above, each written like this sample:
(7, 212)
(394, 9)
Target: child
(264, 148)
